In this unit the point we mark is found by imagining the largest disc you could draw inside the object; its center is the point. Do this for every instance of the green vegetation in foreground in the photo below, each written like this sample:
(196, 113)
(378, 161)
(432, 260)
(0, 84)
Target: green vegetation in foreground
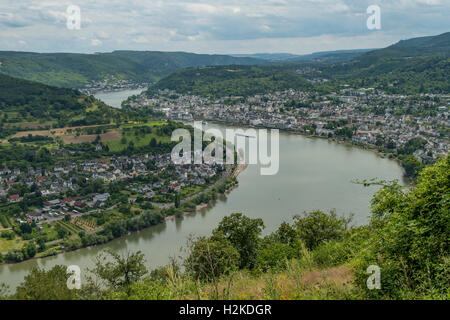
(318, 256)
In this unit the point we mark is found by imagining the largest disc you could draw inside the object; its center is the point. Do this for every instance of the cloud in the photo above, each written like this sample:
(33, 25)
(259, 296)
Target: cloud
(96, 42)
(213, 26)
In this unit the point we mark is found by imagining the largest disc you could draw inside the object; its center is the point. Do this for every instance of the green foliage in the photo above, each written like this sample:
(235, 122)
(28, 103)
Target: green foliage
(40, 284)
(209, 259)
(119, 272)
(412, 165)
(231, 81)
(411, 236)
(274, 255)
(243, 234)
(316, 227)
(75, 70)
(32, 102)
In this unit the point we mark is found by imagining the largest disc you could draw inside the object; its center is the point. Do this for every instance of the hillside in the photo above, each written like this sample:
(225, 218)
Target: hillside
(423, 46)
(76, 70)
(410, 66)
(27, 104)
(231, 81)
(322, 56)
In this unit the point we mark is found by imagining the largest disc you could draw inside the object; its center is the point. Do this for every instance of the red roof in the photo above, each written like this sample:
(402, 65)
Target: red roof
(80, 204)
(14, 197)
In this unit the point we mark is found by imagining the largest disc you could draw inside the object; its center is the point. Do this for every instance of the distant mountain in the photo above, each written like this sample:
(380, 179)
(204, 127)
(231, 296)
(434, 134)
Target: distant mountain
(75, 70)
(409, 66)
(268, 56)
(331, 56)
(322, 56)
(423, 46)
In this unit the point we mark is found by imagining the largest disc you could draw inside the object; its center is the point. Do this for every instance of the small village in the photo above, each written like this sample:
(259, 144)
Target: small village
(152, 177)
(111, 85)
(364, 117)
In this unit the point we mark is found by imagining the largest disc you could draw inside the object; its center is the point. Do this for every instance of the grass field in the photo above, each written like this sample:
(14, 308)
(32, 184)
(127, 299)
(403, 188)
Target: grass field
(6, 245)
(104, 137)
(139, 140)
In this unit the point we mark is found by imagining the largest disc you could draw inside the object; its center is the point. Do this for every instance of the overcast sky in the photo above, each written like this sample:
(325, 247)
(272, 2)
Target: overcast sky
(216, 26)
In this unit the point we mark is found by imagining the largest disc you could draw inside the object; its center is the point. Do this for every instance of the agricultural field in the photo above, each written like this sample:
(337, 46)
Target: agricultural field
(6, 244)
(138, 135)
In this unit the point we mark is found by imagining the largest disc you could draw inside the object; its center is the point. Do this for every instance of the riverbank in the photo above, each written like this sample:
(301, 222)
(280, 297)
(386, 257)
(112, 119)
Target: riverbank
(232, 173)
(314, 175)
(336, 140)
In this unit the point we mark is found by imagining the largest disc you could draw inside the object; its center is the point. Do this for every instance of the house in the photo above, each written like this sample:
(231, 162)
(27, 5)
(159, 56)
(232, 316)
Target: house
(14, 198)
(100, 199)
(51, 203)
(79, 204)
(35, 216)
(68, 201)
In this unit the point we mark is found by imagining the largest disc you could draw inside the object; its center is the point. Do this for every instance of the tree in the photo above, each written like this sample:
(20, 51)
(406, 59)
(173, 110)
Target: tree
(122, 271)
(316, 227)
(30, 250)
(40, 284)
(25, 228)
(410, 237)
(209, 259)
(177, 200)
(243, 234)
(412, 166)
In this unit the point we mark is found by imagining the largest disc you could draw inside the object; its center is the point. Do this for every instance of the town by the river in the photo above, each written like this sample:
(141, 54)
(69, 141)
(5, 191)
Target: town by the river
(313, 174)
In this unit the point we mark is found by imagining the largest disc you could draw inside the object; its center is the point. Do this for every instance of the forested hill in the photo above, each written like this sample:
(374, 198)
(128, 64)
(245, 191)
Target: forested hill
(411, 66)
(423, 46)
(75, 70)
(24, 102)
(416, 65)
(231, 81)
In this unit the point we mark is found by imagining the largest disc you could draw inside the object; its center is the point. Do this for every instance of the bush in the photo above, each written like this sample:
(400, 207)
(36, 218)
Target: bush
(315, 227)
(274, 255)
(411, 237)
(14, 255)
(209, 259)
(243, 234)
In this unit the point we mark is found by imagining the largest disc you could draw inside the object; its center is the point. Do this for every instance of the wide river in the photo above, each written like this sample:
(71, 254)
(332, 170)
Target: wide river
(313, 174)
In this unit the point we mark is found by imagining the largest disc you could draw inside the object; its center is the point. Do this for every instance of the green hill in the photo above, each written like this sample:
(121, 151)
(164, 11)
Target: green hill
(231, 81)
(409, 66)
(75, 70)
(28, 104)
(414, 47)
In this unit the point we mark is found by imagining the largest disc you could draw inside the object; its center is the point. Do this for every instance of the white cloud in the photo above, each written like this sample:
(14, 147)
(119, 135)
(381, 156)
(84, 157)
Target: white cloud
(96, 42)
(214, 26)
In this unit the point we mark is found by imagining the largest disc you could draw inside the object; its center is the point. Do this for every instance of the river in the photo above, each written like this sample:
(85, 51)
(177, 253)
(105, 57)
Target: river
(313, 174)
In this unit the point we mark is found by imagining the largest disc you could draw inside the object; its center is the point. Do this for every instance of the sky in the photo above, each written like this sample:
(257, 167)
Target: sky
(215, 26)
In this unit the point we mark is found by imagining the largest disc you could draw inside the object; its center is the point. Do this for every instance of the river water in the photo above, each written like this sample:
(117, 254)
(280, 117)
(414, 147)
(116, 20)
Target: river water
(313, 174)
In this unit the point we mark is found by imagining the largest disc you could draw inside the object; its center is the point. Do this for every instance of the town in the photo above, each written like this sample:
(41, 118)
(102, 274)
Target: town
(153, 177)
(365, 117)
